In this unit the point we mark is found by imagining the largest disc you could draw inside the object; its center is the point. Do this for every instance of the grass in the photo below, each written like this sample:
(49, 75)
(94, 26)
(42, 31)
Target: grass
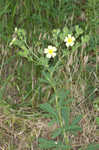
(24, 85)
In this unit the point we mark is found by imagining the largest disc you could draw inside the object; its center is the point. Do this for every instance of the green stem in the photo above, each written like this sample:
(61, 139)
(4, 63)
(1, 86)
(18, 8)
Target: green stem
(61, 121)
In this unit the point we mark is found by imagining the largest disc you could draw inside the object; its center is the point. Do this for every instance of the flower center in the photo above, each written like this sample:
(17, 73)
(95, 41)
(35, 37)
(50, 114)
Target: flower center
(69, 40)
(50, 51)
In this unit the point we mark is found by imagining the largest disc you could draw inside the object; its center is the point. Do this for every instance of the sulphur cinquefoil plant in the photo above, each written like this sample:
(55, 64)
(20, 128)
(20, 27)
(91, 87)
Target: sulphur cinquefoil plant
(61, 44)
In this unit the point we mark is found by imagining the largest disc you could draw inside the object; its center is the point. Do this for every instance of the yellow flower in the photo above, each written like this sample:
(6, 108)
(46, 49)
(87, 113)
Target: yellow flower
(69, 40)
(50, 51)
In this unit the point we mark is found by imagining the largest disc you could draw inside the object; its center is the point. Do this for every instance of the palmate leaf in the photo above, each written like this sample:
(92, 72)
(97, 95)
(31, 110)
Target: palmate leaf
(48, 108)
(62, 94)
(65, 115)
(79, 31)
(43, 61)
(73, 128)
(61, 146)
(85, 39)
(51, 122)
(23, 53)
(47, 77)
(93, 147)
(20, 44)
(56, 133)
(46, 144)
(52, 145)
(65, 30)
(76, 120)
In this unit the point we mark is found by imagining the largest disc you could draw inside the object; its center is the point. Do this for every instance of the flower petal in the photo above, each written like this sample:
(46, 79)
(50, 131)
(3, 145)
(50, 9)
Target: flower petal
(50, 51)
(66, 39)
(53, 55)
(71, 44)
(48, 56)
(50, 47)
(67, 44)
(73, 38)
(45, 50)
(54, 49)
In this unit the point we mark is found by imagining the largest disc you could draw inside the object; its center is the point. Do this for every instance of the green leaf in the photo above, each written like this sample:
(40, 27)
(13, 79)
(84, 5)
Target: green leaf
(73, 128)
(65, 30)
(93, 147)
(47, 108)
(96, 101)
(56, 133)
(79, 31)
(68, 101)
(4, 10)
(76, 120)
(51, 122)
(46, 75)
(43, 81)
(20, 44)
(56, 32)
(62, 94)
(61, 146)
(50, 144)
(46, 144)
(21, 34)
(64, 147)
(43, 61)
(48, 78)
(76, 46)
(66, 115)
(63, 34)
(97, 120)
(23, 53)
(85, 39)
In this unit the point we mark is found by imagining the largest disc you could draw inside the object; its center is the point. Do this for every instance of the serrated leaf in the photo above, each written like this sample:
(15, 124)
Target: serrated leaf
(65, 30)
(62, 36)
(79, 31)
(85, 39)
(23, 54)
(55, 32)
(20, 44)
(43, 61)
